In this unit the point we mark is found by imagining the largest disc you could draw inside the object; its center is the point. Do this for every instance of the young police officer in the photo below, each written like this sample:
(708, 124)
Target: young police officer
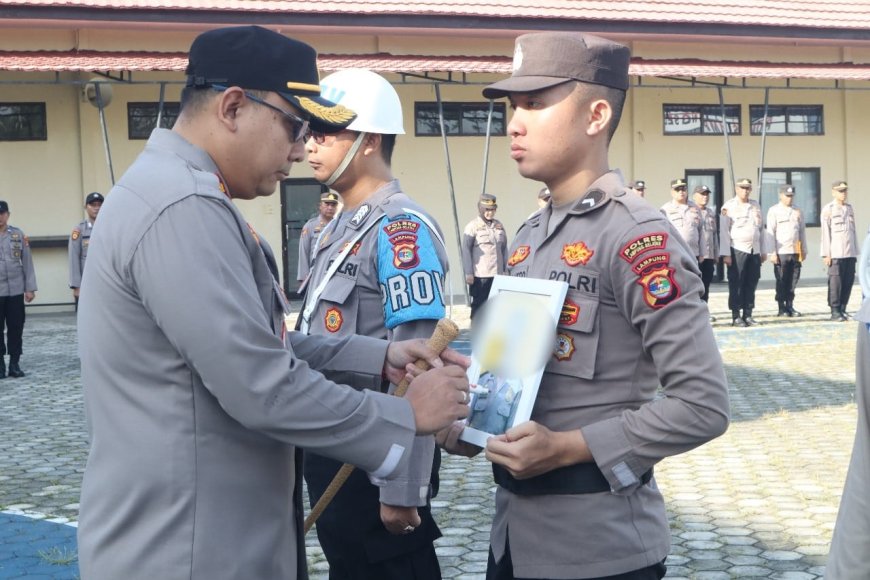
(80, 241)
(576, 496)
(378, 271)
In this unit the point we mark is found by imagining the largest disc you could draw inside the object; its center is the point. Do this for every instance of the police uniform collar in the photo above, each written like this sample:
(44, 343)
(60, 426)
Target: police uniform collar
(599, 192)
(364, 211)
(172, 141)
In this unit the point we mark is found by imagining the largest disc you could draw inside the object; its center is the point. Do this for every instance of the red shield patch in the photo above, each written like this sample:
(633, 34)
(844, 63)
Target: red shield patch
(405, 256)
(519, 255)
(570, 313)
(75, 234)
(576, 253)
(333, 319)
(660, 288)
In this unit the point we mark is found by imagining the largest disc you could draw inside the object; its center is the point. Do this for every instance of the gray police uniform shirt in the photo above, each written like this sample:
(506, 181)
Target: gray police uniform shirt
(484, 248)
(787, 230)
(839, 238)
(194, 403)
(389, 286)
(686, 218)
(633, 319)
(851, 541)
(79, 241)
(16, 263)
(740, 227)
(493, 411)
(710, 247)
(310, 232)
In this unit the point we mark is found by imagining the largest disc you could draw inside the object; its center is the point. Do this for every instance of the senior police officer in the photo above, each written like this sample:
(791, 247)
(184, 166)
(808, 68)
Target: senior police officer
(17, 286)
(787, 233)
(80, 240)
(839, 249)
(685, 217)
(378, 271)
(710, 247)
(576, 497)
(484, 247)
(195, 392)
(311, 233)
(741, 242)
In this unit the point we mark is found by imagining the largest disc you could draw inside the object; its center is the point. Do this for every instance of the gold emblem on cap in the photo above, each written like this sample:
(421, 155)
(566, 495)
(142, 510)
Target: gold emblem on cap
(303, 87)
(336, 115)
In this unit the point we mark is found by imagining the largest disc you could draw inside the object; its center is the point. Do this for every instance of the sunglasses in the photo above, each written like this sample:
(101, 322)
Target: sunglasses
(299, 125)
(680, 189)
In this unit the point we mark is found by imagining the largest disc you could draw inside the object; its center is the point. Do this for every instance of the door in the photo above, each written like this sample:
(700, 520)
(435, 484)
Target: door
(712, 178)
(300, 199)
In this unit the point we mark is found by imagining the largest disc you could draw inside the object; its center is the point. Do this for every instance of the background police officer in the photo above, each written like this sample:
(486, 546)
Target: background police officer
(484, 245)
(788, 237)
(17, 286)
(839, 249)
(742, 244)
(710, 247)
(685, 217)
(311, 233)
(79, 241)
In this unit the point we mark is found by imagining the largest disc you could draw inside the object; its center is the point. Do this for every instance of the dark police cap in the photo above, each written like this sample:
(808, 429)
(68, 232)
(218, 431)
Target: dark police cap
(252, 57)
(487, 200)
(678, 182)
(786, 189)
(744, 183)
(94, 197)
(4, 207)
(702, 189)
(546, 59)
(329, 197)
(840, 185)
(639, 184)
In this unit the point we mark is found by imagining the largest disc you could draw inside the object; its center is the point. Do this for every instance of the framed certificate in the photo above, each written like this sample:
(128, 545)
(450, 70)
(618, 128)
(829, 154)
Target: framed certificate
(512, 339)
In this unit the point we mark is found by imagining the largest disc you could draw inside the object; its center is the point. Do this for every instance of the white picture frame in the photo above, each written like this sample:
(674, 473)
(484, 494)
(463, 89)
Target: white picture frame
(514, 397)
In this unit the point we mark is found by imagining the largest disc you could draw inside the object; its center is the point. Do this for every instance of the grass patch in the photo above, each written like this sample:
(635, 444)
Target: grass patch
(58, 556)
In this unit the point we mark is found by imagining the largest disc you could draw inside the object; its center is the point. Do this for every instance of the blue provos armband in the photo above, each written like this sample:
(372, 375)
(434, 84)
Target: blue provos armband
(410, 274)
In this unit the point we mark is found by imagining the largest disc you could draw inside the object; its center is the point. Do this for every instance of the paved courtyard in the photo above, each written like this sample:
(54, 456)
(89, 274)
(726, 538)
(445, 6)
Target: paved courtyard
(760, 502)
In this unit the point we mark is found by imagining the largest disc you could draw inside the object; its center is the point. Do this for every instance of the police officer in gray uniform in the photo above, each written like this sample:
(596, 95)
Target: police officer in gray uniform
(576, 496)
(17, 286)
(839, 249)
(741, 242)
(80, 240)
(311, 233)
(378, 271)
(195, 392)
(484, 245)
(787, 233)
(685, 217)
(710, 247)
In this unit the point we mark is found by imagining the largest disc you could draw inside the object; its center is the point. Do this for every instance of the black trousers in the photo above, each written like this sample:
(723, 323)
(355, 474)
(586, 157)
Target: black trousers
(743, 275)
(12, 318)
(841, 276)
(504, 570)
(708, 268)
(479, 291)
(787, 273)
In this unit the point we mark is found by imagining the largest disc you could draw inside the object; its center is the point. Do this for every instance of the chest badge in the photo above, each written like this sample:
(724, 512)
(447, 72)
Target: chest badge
(570, 313)
(354, 250)
(577, 253)
(75, 234)
(519, 255)
(660, 288)
(564, 347)
(333, 320)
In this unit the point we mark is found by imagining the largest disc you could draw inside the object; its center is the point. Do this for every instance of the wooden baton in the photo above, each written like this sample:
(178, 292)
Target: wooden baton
(445, 332)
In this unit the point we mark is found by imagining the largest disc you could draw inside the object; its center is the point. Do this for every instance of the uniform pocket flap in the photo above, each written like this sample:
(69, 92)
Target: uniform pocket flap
(338, 289)
(579, 312)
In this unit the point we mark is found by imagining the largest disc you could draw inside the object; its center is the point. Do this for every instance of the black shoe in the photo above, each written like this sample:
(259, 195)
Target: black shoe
(738, 322)
(15, 371)
(792, 312)
(837, 315)
(783, 312)
(2, 369)
(749, 321)
(845, 315)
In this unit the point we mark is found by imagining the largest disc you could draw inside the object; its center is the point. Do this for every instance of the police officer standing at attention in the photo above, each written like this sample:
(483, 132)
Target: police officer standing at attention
(710, 247)
(17, 286)
(378, 271)
(311, 233)
(576, 495)
(839, 249)
(741, 242)
(788, 234)
(484, 246)
(685, 217)
(79, 241)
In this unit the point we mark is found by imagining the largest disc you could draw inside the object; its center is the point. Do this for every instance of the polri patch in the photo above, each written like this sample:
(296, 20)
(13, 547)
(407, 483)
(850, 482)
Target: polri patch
(643, 244)
(659, 286)
(564, 347)
(405, 255)
(75, 234)
(519, 255)
(570, 313)
(658, 259)
(576, 253)
(333, 320)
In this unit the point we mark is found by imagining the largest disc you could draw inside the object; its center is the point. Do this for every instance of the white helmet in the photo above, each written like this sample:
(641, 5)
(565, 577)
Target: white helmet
(369, 95)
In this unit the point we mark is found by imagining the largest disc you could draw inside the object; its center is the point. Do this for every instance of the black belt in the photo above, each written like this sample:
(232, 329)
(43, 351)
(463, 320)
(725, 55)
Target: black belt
(574, 479)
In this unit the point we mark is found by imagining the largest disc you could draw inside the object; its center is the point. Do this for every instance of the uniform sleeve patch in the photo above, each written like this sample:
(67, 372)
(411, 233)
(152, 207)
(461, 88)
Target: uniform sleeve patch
(653, 260)
(643, 244)
(75, 234)
(520, 254)
(333, 320)
(576, 253)
(659, 286)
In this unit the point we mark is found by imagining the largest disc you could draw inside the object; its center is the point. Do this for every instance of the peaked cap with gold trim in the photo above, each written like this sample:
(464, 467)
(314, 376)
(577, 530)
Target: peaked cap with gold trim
(252, 57)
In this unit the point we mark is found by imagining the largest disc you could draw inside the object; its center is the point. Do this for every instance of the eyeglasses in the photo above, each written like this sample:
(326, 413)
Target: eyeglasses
(680, 189)
(318, 137)
(299, 125)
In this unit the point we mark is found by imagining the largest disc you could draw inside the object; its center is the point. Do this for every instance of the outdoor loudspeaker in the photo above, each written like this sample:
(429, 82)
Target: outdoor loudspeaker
(105, 92)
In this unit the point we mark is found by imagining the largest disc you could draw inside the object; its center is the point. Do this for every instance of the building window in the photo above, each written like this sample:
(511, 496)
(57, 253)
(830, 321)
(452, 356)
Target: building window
(700, 119)
(462, 119)
(23, 122)
(807, 191)
(788, 119)
(142, 118)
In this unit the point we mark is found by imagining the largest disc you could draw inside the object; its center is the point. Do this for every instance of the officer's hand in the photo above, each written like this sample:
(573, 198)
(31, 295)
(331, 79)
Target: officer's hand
(827, 261)
(726, 260)
(28, 296)
(407, 352)
(774, 259)
(75, 292)
(448, 440)
(763, 258)
(397, 519)
(469, 280)
(439, 397)
(530, 449)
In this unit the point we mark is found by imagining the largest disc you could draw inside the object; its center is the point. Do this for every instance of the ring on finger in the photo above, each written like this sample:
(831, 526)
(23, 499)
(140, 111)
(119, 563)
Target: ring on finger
(408, 529)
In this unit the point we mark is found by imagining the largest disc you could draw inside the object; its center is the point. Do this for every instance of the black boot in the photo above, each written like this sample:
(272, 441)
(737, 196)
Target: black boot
(735, 319)
(783, 310)
(2, 367)
(791, 311)
(14, 370)
(844, 314)
(747, 317)
(837, 315)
